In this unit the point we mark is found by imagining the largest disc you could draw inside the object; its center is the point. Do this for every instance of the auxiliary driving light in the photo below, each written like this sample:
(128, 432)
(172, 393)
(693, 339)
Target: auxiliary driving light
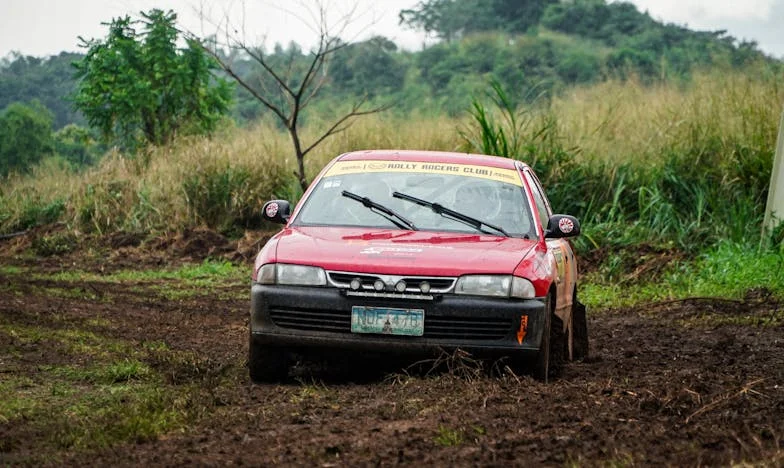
(424, 286)
(355, 284)
(378, 285)
(400, 286)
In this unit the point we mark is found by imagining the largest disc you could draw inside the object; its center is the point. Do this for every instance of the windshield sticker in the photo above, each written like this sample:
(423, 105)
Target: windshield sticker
(510, 176)
(332, 183)
(392, 250)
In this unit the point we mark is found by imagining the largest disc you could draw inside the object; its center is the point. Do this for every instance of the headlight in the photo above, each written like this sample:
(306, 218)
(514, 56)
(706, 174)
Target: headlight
(299, 275)
(495, 285)
(522, 288)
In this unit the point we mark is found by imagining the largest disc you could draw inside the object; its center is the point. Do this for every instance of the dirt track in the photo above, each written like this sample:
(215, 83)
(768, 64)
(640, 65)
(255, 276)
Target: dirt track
(686, 383)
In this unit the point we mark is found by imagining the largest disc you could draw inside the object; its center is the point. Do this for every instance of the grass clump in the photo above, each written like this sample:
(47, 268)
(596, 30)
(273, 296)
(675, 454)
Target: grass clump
(117, 414)
(106, 374)
(447, 437)
(54, 244)
(728, 270)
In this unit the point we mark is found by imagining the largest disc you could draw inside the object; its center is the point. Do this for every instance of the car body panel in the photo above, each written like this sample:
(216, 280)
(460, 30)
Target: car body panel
(400, 252)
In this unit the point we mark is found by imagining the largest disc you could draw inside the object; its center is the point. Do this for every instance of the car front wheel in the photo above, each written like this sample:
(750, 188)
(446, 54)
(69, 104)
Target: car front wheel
(549, 360)
(580, 330)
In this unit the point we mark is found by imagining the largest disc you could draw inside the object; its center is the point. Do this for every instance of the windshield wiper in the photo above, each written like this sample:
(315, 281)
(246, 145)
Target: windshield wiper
(451, 214)
(395, 218)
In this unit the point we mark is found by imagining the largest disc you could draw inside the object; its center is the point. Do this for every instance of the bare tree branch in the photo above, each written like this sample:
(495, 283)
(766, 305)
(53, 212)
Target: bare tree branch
(259, 58)
(337, 126)
(300, 92)
(227, 68)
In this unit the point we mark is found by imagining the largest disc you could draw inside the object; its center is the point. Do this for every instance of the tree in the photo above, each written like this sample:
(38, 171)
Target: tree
(25, 136)
(287, 87)
(451, 19)
(137, 86)
(48, 80)
(368, 68)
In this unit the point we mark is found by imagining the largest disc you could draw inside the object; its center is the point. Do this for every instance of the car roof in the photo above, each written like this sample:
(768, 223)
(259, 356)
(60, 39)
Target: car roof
(444, 157)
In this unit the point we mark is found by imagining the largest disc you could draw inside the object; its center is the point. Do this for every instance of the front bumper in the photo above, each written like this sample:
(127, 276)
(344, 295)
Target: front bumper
(304, 318)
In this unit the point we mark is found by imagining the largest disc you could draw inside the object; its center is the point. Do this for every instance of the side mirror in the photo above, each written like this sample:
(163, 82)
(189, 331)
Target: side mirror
(562, 226)
(277, 211)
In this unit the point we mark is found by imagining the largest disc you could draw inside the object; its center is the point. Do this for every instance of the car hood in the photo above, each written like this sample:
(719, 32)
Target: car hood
(400, 252)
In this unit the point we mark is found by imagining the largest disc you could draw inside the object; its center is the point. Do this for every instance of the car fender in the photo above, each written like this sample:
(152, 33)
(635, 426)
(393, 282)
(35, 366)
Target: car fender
(267, 254)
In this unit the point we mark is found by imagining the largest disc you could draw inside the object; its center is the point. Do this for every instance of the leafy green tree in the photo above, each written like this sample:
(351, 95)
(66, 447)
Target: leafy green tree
(452, 19)
(25, 136)
(136, 86)
(368, 68)
(579, 66)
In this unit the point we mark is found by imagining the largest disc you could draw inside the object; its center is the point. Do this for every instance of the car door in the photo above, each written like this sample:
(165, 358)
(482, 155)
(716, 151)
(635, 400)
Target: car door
(560, 249)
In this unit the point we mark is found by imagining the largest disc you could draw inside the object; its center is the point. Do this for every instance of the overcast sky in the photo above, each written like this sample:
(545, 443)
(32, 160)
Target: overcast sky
(45, 27)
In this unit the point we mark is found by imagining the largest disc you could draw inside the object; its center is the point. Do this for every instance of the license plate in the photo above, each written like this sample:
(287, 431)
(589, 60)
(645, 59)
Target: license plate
(386, 321)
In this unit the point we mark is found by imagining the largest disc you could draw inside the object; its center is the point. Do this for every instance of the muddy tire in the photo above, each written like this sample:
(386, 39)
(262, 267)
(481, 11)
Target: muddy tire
(267, 364)
(550, 358)
(580, 330)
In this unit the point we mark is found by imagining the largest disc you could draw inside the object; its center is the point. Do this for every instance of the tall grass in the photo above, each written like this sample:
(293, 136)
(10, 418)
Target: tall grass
(681, 165)
(219, 182)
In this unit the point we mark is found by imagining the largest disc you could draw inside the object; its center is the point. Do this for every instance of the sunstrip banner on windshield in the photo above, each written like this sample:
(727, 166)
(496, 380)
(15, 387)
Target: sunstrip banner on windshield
(510, 176)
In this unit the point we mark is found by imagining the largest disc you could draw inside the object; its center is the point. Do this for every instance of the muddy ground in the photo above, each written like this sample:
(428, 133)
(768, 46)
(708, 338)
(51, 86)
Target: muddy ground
(686, 383)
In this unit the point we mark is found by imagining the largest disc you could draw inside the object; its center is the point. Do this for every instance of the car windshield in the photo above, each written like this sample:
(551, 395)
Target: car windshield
(493, 196)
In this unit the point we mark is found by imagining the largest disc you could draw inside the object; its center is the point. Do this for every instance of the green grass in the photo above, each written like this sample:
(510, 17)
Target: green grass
(104, 392)
(120, 371)
(11, 270)
(16, 402)
(208, 271)
(70, 342)
(120, 413)
(219, 278)
(447, 437)
(726, 271)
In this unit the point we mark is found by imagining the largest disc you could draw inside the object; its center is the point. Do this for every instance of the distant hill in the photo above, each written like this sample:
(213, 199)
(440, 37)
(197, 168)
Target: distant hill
(532, 48)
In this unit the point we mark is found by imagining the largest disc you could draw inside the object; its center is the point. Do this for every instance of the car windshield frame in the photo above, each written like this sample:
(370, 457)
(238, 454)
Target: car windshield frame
(496, 197)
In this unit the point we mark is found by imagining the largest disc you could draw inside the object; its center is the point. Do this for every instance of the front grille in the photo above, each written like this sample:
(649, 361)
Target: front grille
(438, 284)
(437, 327)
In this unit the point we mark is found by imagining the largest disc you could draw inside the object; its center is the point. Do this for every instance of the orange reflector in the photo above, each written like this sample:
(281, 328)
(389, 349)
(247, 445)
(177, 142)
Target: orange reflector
(523, 329)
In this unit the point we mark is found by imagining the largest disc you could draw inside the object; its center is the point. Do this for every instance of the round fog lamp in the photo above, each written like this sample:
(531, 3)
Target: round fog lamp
(400, 286)
(424, 286)
(378, 285)
(355, 284)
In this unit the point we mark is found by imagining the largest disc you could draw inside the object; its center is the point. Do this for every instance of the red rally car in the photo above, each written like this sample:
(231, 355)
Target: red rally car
(416, 252)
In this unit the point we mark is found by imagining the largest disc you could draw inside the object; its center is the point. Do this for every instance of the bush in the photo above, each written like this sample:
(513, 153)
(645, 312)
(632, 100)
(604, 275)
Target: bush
(224, 197)
(25, 136)
(24, 211)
